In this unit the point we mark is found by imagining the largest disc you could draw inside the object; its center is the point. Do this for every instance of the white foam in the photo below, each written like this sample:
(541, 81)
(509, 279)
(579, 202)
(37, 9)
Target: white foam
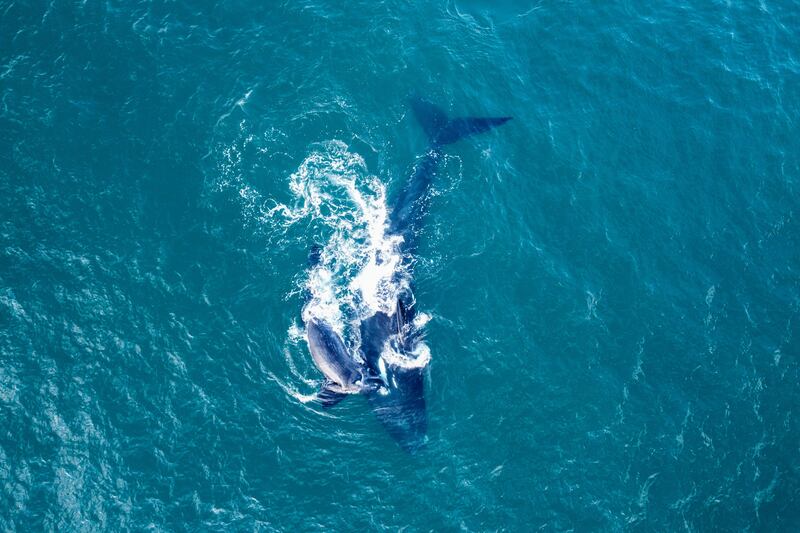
(419, 357)
(360, 266)
(421, 319)
(361, 270)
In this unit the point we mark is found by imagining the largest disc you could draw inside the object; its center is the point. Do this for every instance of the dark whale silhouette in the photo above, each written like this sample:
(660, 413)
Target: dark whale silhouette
(392, 380)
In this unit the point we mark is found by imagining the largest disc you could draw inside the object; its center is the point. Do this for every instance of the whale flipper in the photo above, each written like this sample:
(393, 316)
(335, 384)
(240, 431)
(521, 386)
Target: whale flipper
(441, 130)
(328, 396)
(400, 406)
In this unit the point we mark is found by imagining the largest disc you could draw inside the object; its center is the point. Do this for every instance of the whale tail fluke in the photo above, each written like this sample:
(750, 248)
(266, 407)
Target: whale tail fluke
(442, 130)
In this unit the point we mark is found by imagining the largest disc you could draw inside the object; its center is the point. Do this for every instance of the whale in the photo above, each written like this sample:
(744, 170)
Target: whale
(343, 373)
(390, 344)
(392, 360)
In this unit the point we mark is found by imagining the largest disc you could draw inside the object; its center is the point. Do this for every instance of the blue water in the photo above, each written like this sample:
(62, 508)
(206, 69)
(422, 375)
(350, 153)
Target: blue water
(612, 278)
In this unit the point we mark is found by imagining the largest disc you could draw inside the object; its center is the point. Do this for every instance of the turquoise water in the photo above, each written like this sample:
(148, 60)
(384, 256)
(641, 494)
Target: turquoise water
(612, 278)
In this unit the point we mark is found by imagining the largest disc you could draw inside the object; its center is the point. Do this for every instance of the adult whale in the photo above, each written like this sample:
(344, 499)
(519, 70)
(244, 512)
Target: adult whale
(390, 343)
(392, 374)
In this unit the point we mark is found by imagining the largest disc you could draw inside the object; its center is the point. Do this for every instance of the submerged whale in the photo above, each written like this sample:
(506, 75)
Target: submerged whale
(392, 362)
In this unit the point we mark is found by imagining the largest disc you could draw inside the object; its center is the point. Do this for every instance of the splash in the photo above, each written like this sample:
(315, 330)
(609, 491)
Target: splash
(361, 269)
(419, 357)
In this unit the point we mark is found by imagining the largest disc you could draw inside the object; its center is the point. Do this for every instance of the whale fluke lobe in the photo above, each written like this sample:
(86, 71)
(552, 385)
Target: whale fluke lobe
(458, 128)
(431, 117)
(442, 130)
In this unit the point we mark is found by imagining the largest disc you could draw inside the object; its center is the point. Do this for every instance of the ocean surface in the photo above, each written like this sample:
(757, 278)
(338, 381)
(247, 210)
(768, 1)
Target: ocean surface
(612, 279)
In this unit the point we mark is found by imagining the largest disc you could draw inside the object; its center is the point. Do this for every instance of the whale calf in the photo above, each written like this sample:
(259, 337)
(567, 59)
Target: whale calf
(393, 354)
(343, 373)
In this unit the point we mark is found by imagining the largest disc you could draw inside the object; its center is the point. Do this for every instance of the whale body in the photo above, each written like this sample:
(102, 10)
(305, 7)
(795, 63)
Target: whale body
(392, 374)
